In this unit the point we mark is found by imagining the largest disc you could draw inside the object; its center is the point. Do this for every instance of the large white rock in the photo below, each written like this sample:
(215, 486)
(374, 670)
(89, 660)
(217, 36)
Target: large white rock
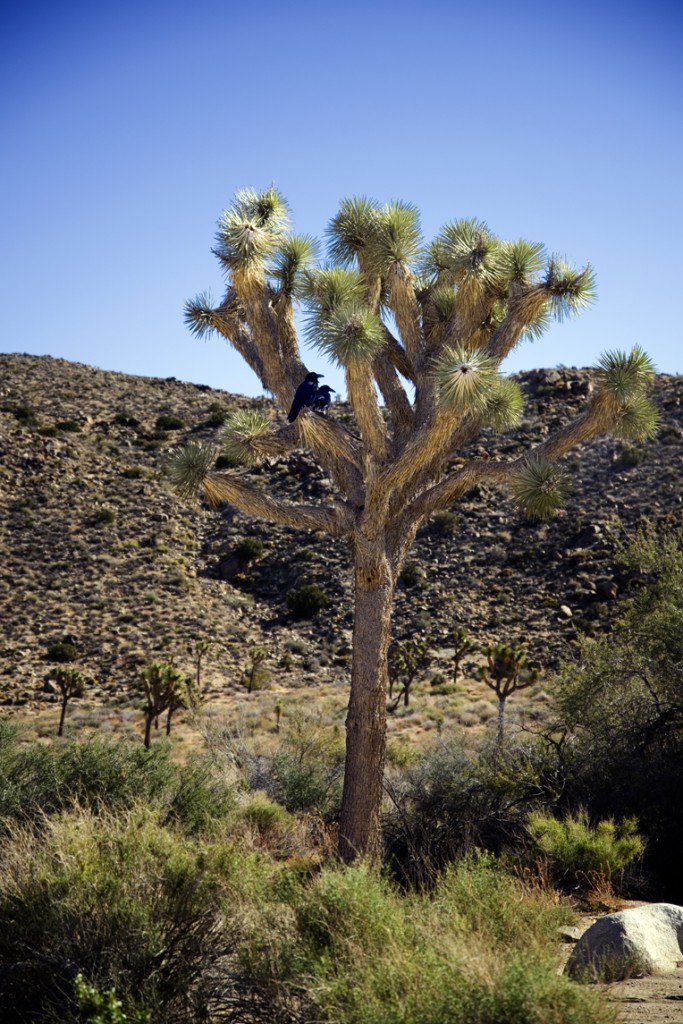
(643, 940)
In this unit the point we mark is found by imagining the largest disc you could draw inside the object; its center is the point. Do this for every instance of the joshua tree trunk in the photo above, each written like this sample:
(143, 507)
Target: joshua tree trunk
(501, 719)
(148, 730)
(60, 731)
(359, 825)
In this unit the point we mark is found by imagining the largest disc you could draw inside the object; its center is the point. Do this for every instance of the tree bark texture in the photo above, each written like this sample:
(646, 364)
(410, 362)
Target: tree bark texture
(359, 824)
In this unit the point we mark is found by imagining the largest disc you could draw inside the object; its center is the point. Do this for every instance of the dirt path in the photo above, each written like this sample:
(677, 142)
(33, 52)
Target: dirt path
(656, 999)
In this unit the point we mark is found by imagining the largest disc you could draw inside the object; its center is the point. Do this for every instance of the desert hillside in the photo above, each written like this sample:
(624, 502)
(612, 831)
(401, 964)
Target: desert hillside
(97, 550)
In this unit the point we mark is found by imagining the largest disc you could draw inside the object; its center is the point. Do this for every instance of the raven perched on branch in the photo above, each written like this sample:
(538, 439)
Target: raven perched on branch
(322, 399)
(305, 394)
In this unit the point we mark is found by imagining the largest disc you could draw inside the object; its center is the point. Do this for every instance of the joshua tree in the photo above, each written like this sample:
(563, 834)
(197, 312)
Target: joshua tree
(462, 644)
(71, 684)
(407, 658)
(163, 689)
(505, 673)
(390, 311)
(257, 655)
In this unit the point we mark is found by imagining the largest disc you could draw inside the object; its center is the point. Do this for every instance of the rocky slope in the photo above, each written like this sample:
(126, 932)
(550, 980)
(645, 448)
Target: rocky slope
(97, 550)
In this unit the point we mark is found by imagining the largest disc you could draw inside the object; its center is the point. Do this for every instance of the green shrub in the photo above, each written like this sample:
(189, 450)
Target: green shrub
(95, 1007)
(307, 601)
(103, 517)
(411, 575)
(63, 652)
(69, 426)
(200, 801)
(622, 699)
(248, 549)
(218, 415)
(630, 456)
(26, 415)
(120, 900)
(39, 780)
(442, 524)
(580, 854)
(167, 421)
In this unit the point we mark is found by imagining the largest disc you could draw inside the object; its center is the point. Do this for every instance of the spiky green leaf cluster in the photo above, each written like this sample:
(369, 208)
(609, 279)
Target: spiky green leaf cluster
(466, 380)
(638, 420)
(505, 405)
(352, 230)
(199, 315)
(521, 260)
(397, 238)
(351, 333)
(625, 375)
(327, 288)
(241, 430)
(251, 229)
(267, 209)
(469, 251)
(569, 290)
(624, 379)
(188, 467)
(540, 488)
(441, 306)
(295, 255)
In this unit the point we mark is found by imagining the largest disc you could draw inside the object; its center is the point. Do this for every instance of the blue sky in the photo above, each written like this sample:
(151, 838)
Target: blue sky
(126, 130)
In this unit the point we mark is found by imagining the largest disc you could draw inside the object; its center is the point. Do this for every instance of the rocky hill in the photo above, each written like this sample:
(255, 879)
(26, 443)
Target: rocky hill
(98, 551)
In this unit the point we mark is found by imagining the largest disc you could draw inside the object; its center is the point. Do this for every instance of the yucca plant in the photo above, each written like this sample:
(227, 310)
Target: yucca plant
(505, 671)
(392, 311)
(71, 683)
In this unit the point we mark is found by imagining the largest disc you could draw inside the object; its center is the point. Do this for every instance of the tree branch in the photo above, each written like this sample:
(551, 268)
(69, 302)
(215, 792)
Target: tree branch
(597, 419)
(336, 521)
(363, 398)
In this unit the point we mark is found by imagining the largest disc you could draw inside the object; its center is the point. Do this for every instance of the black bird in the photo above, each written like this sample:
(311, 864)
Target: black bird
(321, 400)
(305, 394)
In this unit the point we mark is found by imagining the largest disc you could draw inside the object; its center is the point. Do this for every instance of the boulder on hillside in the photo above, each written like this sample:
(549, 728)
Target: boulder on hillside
(643, 940)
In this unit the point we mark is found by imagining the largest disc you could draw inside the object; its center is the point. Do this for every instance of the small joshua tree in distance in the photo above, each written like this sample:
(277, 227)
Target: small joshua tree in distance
(462, 644)
(161, 682)
(407, 659)
(257, 655)
(505, 674)
(71, 683)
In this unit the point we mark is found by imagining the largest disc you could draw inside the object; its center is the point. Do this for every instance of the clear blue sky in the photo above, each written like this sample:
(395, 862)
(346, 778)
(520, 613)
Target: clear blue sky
(127, 127)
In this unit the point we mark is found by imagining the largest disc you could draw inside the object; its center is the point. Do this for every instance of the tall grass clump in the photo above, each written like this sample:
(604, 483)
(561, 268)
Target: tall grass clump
(478, 950)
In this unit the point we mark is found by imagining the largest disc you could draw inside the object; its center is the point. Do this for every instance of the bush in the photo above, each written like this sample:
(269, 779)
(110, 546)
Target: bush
(167, 421)
(579, 854)
(103, 517)
(307, 601)
(63, 652)
(247, 549)
(411, 575)
(39, 780)
(120, 900)
(453, 799)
